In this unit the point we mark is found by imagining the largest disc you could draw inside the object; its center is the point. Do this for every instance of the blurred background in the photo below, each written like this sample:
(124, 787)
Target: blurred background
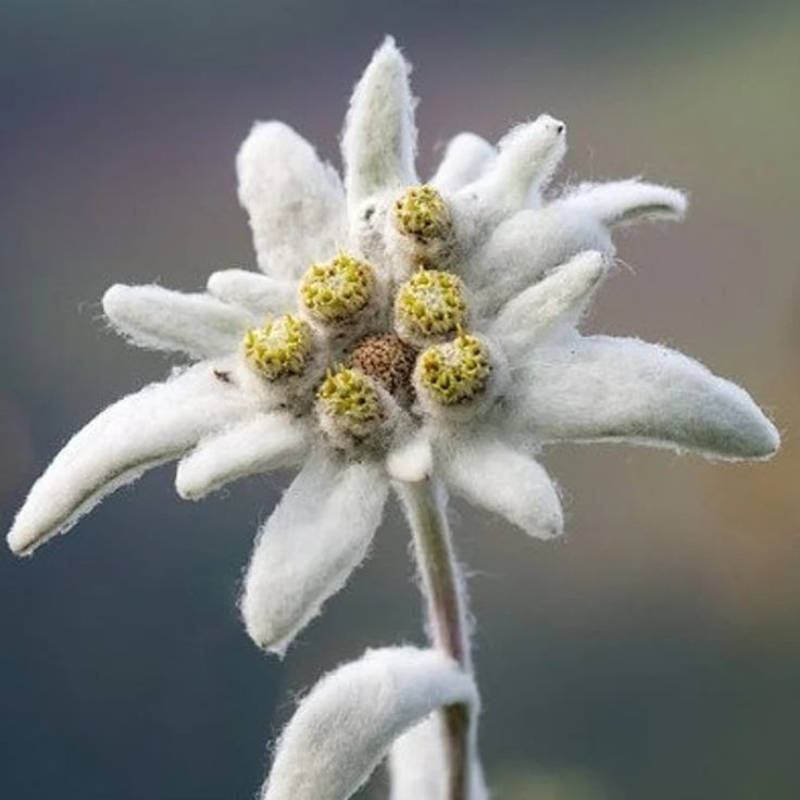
(655, 651)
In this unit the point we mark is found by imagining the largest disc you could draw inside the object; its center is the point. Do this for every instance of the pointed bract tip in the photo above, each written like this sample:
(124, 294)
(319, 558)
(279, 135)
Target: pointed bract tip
(765, 440)
(388, 55)
(265, 132)
(19, 544)
(115, 298)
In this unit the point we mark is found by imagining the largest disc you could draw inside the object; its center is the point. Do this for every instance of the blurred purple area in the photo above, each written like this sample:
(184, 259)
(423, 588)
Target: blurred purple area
(655, 651)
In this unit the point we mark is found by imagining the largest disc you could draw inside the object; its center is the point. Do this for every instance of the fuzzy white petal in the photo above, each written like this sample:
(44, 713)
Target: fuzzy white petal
(259, 294)
(494, 476)
(626, 202)
(527, 246)
(560, 297)
(412, 460)
(295, 202)
(319, 533)
(158, 424)
(162, 319)
(260, 444)
(343, 728)
(615, 389)
(379, 139)
(528, 156)
(418, 766)
(466, 159)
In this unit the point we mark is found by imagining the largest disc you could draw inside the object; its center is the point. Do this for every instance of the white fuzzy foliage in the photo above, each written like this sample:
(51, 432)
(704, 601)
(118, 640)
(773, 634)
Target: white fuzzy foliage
(412, 460)
(527, 246)
(379, 139)
(492, 475)
(157, 424)
(259, 294)
(528, 156)
(561, 297)
(418, 766)
(343, 728)
(626, 202)
(161, 319)
(319, 533)
(262, 443)
(294, 201)
(536, 240)
(616, 389)
(466, 159)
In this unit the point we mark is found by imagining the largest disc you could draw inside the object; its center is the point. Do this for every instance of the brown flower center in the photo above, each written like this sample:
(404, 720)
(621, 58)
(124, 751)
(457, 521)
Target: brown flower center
(388, 360)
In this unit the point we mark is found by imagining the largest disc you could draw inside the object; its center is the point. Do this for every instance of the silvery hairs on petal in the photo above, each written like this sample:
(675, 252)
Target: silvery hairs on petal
(156, 425)
(527, 158)
(534, 241)
(262, 443)
(493, 475)
(603, 388)
(467, 158)
(380, 138)
(319, 533)
(155, 318)
(255, 292)
(344, 727)
(295, 203)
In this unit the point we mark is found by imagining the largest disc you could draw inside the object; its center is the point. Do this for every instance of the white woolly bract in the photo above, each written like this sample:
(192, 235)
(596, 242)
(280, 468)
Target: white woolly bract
(494, 476)
(466, 159)
(379, 139)
(261, 444)
(418, 765)
(608, 388)
(527, 158)
(319, 533)
(155, 425)
(343, 728)
(625, 202)
(162, 319)
(412, 460)
(561, 297)
(259, 294)
(527, 246)
(295, 203)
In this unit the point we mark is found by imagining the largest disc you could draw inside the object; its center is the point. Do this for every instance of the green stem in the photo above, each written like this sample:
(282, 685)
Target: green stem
(442, 584)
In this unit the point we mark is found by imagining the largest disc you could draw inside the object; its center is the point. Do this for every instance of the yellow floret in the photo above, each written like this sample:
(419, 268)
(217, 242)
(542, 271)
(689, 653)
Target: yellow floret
(431, 304)
(337, 290)
(350, 398)
(422, 212)
(280, 348)
(456, 371)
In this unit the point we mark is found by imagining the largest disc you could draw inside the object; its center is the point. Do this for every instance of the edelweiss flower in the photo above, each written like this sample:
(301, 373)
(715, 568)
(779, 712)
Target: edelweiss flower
(398, 331)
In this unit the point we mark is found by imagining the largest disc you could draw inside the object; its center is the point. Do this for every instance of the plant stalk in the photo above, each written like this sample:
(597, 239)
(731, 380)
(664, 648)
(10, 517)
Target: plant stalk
(442, 584)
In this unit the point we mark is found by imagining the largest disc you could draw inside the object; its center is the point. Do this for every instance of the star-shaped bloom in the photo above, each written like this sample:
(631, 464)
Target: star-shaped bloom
(396, 331)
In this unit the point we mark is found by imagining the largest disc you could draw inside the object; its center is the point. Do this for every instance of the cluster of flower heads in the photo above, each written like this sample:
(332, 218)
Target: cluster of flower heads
(398, 330)
(394, 351)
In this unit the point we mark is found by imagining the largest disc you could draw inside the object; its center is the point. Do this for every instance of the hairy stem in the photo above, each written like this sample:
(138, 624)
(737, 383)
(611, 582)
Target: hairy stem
(425, 507)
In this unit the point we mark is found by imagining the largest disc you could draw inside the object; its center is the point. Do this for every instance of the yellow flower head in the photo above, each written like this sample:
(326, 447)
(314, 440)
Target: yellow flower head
(456, 371)
(430, 304)
(338, 290)
(280, 348)
(350, 400)
(422, 213)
